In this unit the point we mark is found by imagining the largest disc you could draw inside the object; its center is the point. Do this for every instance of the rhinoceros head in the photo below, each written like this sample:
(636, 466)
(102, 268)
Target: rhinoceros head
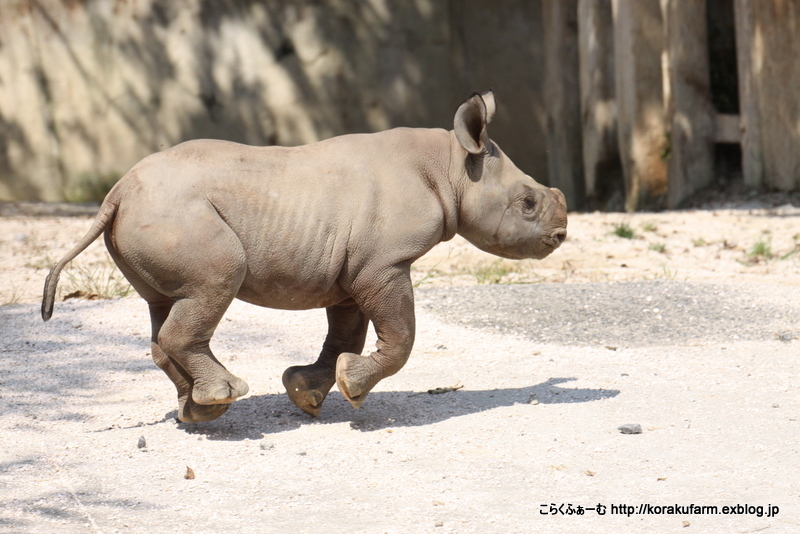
(502, 210)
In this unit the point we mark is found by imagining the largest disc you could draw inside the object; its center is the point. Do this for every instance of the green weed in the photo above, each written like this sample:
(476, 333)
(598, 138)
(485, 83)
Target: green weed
(794, 250)
(40, 263)
(761, 250)
(667, 273)
(434, 271)
(791, 252)
(98, 281)
(505, 272)
(624, 231)
(13, 298)
(431, 273)
(493, 273)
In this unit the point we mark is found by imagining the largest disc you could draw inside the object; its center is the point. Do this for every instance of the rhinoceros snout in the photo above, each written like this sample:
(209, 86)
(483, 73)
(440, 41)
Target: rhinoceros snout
(555, 239)
(557, 232)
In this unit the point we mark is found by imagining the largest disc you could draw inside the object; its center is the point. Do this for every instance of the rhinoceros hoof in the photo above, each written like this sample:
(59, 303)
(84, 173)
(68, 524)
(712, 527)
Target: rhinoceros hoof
(353, 377)
(307, 386)
(191, 412)
(221, 391)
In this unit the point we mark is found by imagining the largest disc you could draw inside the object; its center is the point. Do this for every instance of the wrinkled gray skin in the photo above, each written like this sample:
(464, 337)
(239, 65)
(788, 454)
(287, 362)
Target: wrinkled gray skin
(335, 224)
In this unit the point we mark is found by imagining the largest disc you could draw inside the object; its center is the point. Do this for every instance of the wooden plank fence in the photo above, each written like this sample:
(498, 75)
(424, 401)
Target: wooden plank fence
(644, 98)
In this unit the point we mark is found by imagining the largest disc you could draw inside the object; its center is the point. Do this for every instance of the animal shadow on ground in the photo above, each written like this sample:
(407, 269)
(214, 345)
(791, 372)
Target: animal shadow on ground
(76, 361)
(260, 415)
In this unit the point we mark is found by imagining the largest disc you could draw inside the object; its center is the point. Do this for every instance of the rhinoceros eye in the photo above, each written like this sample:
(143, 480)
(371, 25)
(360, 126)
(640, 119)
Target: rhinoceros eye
(529, 204)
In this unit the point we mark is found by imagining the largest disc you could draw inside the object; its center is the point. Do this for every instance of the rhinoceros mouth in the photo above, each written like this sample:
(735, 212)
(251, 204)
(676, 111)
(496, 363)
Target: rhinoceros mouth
(521, 252)
(554, 239)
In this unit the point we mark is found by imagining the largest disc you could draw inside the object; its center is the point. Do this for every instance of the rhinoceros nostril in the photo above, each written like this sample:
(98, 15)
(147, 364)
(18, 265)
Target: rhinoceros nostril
(561, 235)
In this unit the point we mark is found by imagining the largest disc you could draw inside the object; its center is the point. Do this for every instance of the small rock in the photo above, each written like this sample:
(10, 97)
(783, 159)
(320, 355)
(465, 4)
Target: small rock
(266, 445)
(439, 524)
(533, 400)
(438, 503)
(189, 473)
(685, 524)
(786, 337)
(589, 473)
(633, 428)
(301, 453)
(142, 443)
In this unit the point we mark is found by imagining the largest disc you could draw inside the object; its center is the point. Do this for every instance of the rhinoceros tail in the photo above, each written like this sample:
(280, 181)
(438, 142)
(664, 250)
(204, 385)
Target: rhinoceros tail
(103, 220)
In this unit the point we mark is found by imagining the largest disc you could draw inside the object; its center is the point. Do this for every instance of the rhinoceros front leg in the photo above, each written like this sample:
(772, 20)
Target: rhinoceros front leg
(388, 301)
(307, 385)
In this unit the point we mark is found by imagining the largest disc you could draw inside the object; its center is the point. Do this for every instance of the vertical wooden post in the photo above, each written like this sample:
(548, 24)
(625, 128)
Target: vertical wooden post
(601, 164)
(752, 165)
(562, 98)
(641, 126)
(691, 113)
(770, 74)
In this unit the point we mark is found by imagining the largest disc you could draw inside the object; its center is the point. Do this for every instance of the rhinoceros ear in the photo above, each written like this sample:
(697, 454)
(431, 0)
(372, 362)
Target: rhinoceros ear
(488, 99)
(470, 123)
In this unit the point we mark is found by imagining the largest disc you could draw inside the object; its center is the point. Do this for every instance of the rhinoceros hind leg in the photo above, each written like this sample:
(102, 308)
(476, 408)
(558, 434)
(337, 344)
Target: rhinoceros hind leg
(188, 410)
(185, 337)
(308, 385)
(187, 297)
(160, 306)
(191, 412)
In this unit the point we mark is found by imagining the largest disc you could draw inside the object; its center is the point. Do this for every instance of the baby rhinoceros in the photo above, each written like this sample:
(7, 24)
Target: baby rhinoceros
(334, 224)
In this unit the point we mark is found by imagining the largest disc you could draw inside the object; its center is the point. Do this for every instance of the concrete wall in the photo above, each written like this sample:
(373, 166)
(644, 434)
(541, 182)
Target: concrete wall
(89, 87)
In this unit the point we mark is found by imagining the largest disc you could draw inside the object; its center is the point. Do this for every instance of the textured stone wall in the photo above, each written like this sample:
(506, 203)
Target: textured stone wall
(89, 87)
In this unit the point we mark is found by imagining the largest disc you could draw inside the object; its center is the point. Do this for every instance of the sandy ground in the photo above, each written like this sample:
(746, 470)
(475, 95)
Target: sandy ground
(732, 245)
(687, 329)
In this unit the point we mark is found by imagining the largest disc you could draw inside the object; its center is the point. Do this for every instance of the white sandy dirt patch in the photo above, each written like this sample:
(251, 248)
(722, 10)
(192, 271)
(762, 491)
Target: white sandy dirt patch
(534, 424)
(712, 245)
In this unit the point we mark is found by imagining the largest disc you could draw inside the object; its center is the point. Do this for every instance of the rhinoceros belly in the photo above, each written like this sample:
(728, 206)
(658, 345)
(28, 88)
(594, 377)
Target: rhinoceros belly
(290, 293)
